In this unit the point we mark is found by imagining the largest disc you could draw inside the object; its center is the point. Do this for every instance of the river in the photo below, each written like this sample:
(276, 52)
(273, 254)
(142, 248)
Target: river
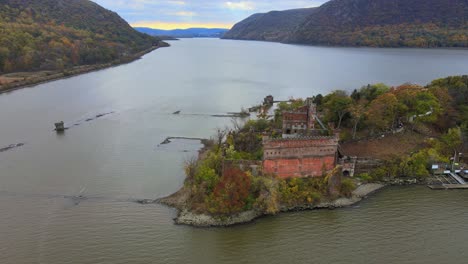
(114, 159)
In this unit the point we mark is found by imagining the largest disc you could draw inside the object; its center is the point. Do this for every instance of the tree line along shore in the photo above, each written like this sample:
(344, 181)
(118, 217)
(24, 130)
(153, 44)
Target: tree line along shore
(402, 130)
(13, 81)
(51, 39)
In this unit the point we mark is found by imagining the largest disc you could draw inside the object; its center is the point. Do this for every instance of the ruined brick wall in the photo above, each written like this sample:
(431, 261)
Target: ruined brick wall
(300, 120)
(299, 167)
(294, 122)
(311, 116)
(302, 157)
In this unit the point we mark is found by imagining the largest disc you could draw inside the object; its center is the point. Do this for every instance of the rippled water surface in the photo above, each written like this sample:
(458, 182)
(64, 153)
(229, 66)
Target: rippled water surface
(115, 159)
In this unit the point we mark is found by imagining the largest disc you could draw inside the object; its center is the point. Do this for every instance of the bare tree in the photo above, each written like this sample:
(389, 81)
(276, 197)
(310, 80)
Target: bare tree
(190, 165)
(237, 123)
(220, 135)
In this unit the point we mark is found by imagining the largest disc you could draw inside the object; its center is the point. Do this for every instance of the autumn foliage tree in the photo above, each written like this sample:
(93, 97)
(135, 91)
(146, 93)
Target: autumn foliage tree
(357, 111)
(231, 193)
(382, 112)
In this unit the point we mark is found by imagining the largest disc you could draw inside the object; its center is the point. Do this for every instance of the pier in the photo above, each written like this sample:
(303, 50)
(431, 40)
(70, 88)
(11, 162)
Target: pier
(448, 186)
(449, 180)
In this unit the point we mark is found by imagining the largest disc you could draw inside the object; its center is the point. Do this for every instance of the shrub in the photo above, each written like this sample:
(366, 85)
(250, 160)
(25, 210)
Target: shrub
(231, 194)
(347, 187)
(365, 177)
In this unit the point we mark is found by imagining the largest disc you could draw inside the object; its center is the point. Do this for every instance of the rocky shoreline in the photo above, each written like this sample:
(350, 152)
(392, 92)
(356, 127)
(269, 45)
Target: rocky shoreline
(67, 73)
(185, 217)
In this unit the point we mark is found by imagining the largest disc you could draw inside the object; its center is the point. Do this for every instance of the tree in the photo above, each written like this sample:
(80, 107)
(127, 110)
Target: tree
(220, 134)
(318, 100)
(337, 105)
(452, 141)
(357, 111)
(370, 92)
(231, 193)
(382, 112)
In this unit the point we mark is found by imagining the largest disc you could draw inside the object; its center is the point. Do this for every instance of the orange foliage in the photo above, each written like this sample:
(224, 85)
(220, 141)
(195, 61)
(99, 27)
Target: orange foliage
(231, 193)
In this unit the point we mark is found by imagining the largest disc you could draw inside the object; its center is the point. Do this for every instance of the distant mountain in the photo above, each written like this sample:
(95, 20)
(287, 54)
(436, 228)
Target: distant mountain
(379, 23)
(185, 33)
(271, 26)
(56, 34)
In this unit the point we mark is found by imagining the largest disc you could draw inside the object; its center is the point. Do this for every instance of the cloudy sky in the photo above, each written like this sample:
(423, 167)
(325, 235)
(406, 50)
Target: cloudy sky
(170, 14)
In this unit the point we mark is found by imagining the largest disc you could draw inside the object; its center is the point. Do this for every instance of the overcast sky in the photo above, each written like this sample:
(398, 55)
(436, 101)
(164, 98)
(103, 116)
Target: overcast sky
(170, 14)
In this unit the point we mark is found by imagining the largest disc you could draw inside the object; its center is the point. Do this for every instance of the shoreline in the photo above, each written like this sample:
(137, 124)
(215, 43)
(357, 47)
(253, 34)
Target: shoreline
(348, 46)
(185, 217)
(71, 72)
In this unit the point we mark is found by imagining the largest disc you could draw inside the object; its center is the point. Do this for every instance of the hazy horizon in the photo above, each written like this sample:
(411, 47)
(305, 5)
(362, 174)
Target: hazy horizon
(184, 14)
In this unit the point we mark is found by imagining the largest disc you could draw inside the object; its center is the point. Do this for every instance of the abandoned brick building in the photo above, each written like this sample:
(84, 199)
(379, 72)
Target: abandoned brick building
(301, 121)
(301, 152)
(300, 157)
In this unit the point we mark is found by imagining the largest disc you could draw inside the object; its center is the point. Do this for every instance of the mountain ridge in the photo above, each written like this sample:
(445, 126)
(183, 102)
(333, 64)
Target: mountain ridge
(58, 34)
(376, 23)
(275, 25)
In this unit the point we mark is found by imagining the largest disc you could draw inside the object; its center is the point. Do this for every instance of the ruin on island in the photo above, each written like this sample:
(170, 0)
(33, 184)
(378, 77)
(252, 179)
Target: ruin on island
(302, 151)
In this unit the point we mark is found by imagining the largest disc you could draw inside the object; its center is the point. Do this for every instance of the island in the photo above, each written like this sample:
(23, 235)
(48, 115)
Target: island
(327, 152)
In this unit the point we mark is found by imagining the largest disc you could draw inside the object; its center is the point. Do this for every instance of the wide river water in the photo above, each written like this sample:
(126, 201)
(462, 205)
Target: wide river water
(115, 159)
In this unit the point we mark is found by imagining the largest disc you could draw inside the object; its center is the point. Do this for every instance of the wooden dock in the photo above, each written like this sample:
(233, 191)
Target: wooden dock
(448, 186)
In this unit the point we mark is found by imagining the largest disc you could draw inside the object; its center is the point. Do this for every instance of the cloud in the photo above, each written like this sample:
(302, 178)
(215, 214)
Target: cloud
(179, 13)
(185, 13)
(177, 2)
(240, 5)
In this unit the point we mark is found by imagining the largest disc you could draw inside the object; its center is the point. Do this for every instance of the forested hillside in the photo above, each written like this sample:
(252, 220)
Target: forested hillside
(56, 34)
(376, 23)
(271, 26)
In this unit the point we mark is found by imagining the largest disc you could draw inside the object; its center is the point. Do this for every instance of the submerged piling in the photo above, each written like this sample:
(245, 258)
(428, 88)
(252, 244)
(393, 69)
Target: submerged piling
(60, 126)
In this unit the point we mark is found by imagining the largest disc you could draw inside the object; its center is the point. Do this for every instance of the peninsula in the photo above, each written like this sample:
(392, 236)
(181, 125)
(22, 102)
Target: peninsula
(327, 152)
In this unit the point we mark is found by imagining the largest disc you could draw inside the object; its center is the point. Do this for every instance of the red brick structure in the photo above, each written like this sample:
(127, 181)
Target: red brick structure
(300, 157)
(300, 120)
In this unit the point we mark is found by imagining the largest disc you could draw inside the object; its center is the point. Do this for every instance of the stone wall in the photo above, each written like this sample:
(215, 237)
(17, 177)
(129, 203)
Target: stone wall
(366, 165)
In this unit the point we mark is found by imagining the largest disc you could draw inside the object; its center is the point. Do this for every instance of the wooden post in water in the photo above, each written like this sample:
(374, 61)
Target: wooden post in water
(60, 126)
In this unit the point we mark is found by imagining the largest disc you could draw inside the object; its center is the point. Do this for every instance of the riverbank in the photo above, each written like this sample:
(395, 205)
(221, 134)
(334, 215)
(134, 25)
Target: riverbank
(179, 201)
(13, 81)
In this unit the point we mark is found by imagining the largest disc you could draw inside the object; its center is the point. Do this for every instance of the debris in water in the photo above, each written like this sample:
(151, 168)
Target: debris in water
(168, 139)
(60, 126)
(10, 147)
(145, 201)
(176, 112)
